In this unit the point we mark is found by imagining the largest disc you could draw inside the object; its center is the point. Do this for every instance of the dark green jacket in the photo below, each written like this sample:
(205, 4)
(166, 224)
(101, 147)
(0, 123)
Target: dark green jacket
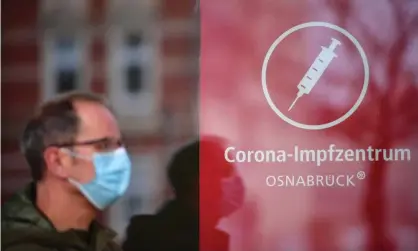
(25, 228)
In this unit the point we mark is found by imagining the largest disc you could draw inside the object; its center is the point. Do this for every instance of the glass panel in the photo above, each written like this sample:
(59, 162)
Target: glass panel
(133, 79)
(335, 170)
(66, 81)
(134, 73)
(134, 41)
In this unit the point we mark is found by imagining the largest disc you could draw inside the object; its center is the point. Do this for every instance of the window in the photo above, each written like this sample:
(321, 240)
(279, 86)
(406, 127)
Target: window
(66, 81)
(67, 63)
(135, 63)
(134, 71)
(65, 56)
(134, 85)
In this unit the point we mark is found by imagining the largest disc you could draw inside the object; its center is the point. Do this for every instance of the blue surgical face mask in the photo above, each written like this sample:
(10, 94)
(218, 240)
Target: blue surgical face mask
(113, 173)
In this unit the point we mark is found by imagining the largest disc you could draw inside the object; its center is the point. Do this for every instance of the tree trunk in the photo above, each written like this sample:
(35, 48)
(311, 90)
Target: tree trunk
(376, 217)
(375, 193)
(375, 204)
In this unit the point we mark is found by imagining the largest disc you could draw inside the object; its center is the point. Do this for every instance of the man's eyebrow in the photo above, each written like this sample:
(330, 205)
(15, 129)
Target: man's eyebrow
(104, 139)
(109, 139)
(93, 141)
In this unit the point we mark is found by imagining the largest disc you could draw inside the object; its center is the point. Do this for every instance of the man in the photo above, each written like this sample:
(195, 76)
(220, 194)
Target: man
(79, 166)
(179, 225)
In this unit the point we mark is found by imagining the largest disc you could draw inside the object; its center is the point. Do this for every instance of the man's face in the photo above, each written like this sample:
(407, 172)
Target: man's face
(97, 124)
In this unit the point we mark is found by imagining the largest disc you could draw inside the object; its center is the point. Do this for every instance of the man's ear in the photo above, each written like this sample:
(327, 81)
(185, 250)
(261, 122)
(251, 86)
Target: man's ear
(55, 161)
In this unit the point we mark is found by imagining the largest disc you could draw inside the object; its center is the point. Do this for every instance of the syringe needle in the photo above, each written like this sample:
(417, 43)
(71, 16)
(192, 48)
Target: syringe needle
(294, 102)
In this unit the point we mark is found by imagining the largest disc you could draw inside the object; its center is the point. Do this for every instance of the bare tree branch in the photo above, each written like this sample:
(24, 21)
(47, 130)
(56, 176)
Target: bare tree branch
(395, 119)
(398, 13)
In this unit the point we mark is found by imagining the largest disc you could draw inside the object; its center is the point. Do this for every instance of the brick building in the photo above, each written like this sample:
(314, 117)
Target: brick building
(141, 54)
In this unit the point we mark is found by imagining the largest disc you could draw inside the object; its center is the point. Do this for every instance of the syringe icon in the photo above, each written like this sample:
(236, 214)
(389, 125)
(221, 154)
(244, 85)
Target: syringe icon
(316, 70)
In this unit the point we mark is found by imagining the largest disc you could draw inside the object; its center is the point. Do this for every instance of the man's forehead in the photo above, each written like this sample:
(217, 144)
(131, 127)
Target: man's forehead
(96, 121)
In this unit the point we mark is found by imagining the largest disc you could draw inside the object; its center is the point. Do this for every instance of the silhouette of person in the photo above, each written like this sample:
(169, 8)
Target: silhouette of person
(179, 225)
(221, 193)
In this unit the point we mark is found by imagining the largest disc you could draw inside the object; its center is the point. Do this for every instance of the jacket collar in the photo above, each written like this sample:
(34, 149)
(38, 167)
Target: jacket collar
(21, 212)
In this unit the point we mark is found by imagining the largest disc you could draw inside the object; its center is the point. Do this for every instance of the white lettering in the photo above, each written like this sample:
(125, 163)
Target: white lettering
(331, 150)
(363, 154)
(240, 156)
(349, 181)
(331, 179)
(290, 181)
(321, 157)
(310, 181)
(317, 156)
(370, 151)
(296, 151)
(281, 156)
(259, 156)
(270, 181)
(300, 181)
(338, 180)
(270, 156)
(226, 155)
(280, 180)
(339, 155)
(403, 151)
(310, 155)
(319, 179)
(376, 155)
(349, 154)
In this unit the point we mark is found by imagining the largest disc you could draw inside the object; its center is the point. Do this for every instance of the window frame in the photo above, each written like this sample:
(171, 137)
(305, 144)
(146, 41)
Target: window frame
(59, 18)
(49, 62)
(146, 117)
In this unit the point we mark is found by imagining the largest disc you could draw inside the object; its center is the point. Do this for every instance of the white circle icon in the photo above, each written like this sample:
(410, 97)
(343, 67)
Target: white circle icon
(332, 46)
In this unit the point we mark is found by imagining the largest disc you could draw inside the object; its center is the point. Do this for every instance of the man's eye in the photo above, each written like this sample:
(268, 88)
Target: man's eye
(103, 145)
(108, 145)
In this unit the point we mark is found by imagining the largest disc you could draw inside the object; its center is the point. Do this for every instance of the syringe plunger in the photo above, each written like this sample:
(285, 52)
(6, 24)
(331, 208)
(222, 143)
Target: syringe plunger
(334, 44)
